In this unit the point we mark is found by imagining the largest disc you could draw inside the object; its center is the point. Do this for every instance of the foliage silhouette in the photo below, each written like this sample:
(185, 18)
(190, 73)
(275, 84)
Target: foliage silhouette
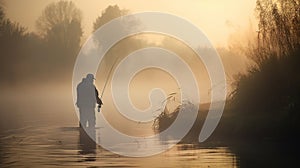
(111, 12)
(266, 100)
(13, 39)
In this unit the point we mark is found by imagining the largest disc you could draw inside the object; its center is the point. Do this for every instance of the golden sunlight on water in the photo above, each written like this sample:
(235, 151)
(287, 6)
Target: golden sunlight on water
(42, 131)
(69, 146)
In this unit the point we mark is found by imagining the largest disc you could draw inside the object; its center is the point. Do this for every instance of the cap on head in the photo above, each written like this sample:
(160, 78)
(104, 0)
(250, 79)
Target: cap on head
(90, 76)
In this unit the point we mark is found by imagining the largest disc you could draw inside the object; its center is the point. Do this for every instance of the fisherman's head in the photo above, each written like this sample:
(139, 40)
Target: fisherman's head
(90, 78)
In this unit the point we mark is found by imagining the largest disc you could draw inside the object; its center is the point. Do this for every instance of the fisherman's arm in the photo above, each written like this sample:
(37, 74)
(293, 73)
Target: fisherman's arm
(99, 101)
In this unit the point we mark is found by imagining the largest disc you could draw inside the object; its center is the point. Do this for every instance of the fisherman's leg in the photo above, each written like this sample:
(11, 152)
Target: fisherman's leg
(93, 122)
(92, 118)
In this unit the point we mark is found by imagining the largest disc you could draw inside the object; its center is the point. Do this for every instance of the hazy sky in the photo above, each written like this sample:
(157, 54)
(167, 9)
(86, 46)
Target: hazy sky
(218, 19)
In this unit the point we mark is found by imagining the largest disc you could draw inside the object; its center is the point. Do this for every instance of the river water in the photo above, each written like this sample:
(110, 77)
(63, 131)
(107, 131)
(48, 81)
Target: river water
(39, 128)
(70, 146)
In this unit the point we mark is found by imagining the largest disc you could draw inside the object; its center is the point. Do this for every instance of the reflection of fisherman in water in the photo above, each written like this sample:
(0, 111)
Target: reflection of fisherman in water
(87, 145)
(87, 97)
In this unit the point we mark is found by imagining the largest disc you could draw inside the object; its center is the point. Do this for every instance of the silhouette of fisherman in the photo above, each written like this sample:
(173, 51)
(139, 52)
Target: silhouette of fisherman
(87, 97)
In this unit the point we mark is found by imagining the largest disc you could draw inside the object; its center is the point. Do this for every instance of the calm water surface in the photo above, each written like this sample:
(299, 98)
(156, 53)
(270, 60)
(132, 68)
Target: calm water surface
(38, 129)
(69, 146)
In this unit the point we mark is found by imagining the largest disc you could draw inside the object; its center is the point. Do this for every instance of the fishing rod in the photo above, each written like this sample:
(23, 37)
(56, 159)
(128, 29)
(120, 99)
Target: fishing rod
(106, 81)
(108, 76)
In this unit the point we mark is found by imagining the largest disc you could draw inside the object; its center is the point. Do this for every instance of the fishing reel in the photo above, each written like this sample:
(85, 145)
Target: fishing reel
(99, 106)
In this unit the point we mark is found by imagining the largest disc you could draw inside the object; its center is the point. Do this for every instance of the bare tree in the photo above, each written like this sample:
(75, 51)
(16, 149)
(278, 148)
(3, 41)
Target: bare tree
(60, 25)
